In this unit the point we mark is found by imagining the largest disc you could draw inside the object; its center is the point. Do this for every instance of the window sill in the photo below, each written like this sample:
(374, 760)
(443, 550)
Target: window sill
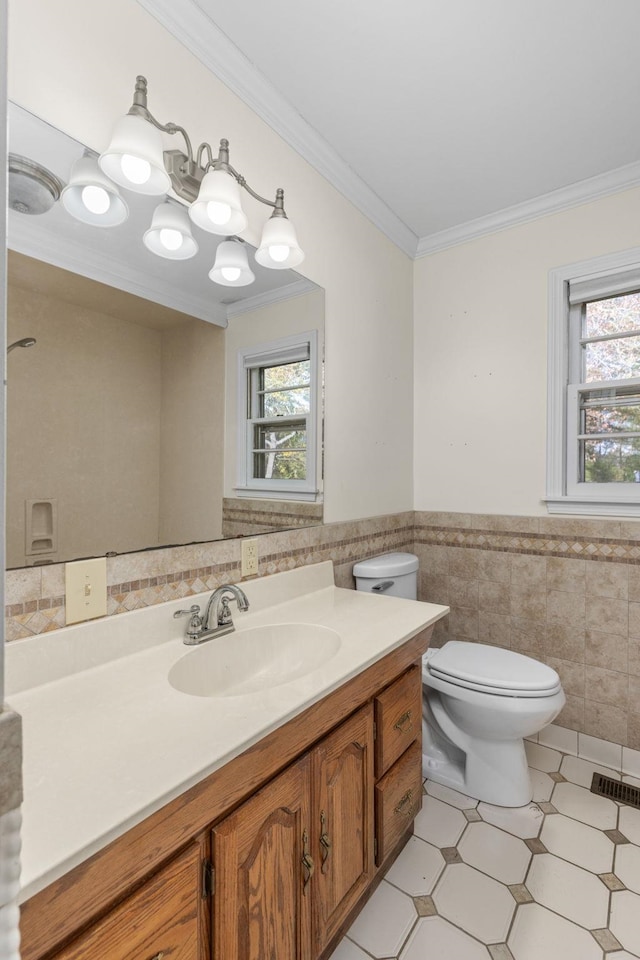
(593, 506)
(262, 493)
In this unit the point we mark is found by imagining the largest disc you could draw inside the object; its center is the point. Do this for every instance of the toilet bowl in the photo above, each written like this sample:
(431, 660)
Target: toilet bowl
(479, 702)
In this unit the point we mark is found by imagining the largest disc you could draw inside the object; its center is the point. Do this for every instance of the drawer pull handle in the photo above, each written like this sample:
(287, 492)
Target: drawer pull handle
(158, 956)
(325, 842)
(408, 797)
(307, 862)
(404, 723)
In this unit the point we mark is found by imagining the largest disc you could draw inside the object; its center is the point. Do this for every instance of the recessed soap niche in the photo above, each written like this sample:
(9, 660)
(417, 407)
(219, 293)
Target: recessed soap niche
(41, 530)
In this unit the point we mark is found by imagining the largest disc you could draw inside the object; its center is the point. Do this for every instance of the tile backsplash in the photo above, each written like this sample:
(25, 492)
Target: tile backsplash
(566, 591)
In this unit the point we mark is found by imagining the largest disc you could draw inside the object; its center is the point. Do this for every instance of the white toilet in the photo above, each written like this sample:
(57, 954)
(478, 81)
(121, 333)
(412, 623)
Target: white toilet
(478, 704)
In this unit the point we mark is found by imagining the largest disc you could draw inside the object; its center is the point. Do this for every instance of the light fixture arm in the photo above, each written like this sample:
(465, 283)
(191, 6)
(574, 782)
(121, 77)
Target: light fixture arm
(222, 163)
(192, 167)
(139, 108)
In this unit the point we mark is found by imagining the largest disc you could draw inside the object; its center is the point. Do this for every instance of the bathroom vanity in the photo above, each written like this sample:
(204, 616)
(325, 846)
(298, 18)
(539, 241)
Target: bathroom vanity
(280, 811)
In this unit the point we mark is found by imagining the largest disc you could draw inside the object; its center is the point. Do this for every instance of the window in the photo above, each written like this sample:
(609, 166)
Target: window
(594, 387)
(277, 453)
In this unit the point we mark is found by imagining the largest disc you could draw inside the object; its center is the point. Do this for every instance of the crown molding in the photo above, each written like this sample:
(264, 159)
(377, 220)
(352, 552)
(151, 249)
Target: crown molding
(197, 32)
(42, 244)
(296, 289)
(602, 185)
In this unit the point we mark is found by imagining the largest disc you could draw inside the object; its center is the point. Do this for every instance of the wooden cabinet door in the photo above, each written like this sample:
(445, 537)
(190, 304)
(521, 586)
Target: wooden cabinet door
(343, 825)
(161, 919)
(263, 890)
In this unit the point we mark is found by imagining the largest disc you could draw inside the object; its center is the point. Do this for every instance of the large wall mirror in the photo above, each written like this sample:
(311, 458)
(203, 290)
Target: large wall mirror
(122, 378)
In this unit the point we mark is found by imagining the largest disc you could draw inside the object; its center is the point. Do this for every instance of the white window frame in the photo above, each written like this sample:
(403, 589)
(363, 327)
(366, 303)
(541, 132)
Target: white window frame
(603, 276)
(284, 350)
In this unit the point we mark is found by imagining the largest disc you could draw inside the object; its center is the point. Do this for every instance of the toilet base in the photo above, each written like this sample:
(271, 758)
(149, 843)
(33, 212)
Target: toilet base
(495, 772)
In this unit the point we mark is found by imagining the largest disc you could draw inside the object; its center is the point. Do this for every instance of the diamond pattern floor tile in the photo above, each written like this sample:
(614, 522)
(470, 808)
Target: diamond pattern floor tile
(538, 934)
(495, 852)
(579, 843)
(580, 804)
(627, 865)
(625, 910)
(438, 823)
(542, 785)
(569, 890)
(456, 799)
(481, 882)
(417, 868)
(435, 937)
(385, 922)
(348, 951)
(524, 822)
(469, 899)
(630, 824)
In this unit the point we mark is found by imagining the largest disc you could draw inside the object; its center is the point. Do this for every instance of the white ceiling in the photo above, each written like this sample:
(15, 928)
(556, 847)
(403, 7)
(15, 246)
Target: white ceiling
(433, 113)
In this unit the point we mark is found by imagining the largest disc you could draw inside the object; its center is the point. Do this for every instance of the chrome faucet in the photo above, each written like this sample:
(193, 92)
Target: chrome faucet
(199, 627)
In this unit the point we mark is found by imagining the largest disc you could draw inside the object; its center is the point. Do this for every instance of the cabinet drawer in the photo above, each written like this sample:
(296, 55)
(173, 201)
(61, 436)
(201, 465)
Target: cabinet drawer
(158, 920)
(398, 800)
(398, 716)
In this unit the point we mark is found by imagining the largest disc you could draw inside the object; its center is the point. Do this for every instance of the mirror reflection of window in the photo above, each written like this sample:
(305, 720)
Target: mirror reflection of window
(280, 418)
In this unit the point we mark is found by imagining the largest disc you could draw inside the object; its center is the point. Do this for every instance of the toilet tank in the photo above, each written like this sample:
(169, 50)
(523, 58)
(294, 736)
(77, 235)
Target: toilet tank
(393, 574)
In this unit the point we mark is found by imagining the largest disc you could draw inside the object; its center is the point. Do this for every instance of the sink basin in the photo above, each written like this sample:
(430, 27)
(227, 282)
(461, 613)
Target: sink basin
(259, 658)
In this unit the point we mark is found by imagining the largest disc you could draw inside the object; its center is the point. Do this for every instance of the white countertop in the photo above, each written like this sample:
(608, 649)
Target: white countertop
(107, 739)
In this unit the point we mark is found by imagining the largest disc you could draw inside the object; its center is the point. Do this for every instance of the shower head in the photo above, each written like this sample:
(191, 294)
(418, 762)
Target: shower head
(25, 342)
(32, 188)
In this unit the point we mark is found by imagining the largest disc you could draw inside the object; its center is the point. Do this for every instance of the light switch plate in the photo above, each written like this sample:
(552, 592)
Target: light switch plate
(86, 589)
(249, 558)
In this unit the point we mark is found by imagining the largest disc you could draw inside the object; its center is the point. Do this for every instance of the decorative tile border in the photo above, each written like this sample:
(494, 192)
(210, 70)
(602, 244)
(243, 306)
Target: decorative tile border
(343, 543)
(248, 517)
(612, 549)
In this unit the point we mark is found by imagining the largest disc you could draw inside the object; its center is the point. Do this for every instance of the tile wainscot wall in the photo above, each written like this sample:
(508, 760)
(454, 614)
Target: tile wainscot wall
(565, 591)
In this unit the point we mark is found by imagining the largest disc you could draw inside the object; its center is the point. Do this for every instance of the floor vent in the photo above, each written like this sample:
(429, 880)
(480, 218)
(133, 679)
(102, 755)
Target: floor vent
(615, 790)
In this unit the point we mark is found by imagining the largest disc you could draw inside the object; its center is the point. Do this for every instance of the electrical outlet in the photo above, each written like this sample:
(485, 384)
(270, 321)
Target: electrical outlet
(249, 558)
(85, 589)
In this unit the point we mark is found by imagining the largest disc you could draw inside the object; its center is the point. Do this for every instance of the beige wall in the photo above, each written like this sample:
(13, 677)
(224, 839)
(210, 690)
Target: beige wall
(74, 64)
(192, 437)
(92, 383)
(480, 363)
(271, 322)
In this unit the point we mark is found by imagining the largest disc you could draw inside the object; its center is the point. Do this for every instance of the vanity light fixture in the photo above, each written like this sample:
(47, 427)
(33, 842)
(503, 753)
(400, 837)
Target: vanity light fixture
(231, 268)
(208, 184)
(170, 232)
(91, 197)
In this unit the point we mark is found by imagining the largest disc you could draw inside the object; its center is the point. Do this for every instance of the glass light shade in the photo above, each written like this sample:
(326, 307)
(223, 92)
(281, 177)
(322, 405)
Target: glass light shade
(279, 248)
(91, 197)
(134, 158)
(217, 208)
(231, 268)
(170, 233)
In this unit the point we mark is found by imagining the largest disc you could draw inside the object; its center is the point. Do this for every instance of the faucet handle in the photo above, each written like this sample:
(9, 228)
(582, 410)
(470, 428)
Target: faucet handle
(194, 627)
(191, 612)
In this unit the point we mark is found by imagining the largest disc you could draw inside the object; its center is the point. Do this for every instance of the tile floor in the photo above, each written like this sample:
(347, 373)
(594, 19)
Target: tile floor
(557, 880)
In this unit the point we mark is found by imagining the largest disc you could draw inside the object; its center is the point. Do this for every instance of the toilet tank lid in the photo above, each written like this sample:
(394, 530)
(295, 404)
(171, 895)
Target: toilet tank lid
(492, 667)
(386, 565)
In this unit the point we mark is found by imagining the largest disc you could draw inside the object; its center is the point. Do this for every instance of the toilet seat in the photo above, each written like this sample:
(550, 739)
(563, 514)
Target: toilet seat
(492, 670)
